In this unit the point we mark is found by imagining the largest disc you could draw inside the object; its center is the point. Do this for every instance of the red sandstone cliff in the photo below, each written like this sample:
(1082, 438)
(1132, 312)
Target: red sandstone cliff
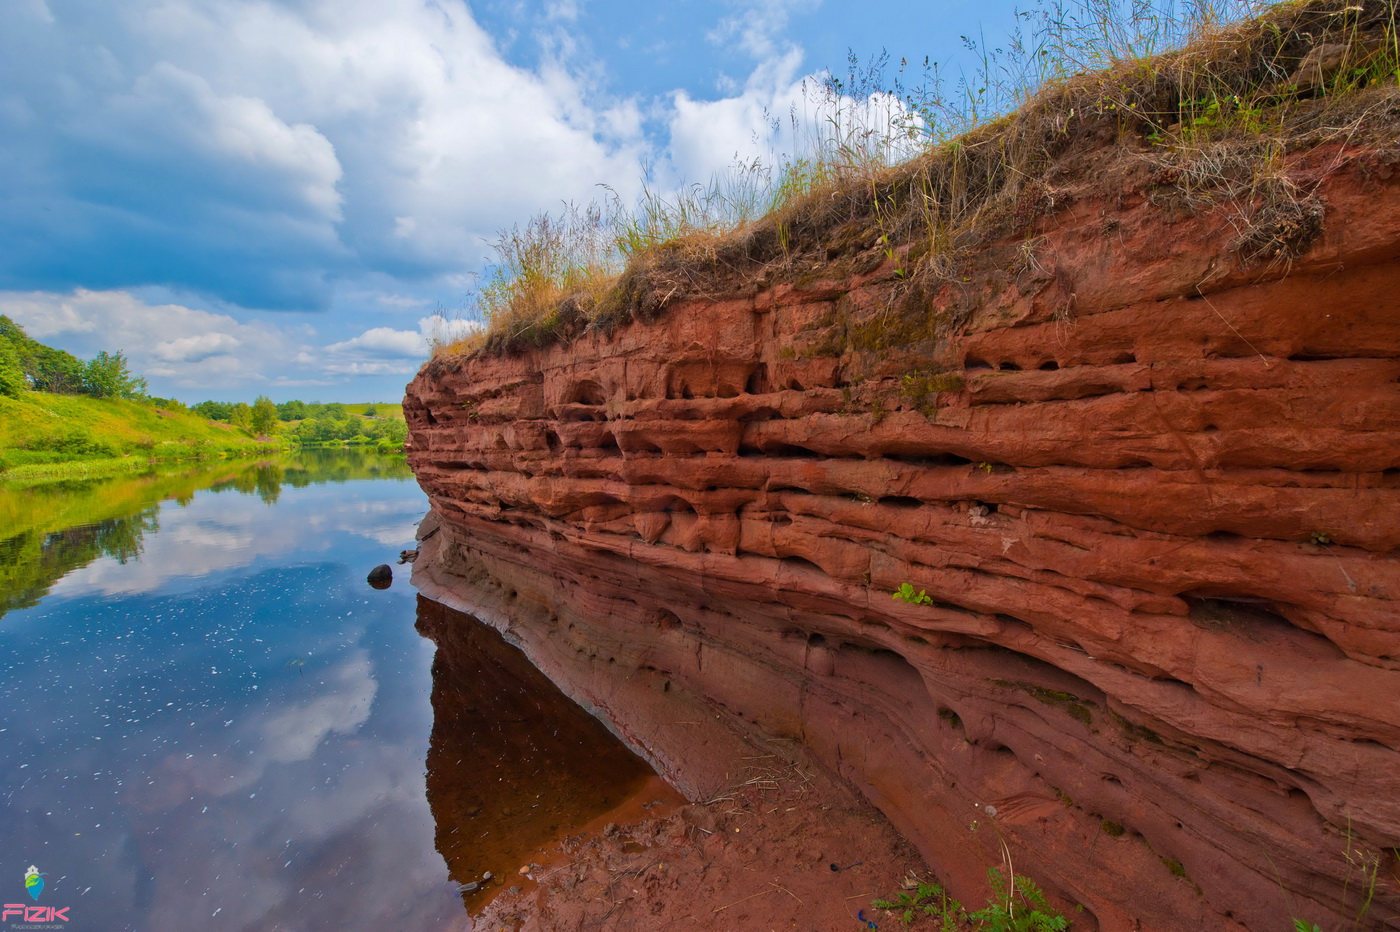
(1149, 482)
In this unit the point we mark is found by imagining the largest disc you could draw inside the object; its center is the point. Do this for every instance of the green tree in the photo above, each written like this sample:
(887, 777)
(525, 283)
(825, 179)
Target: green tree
(395, 431)
(263, 418)
(291, 411)
(107, 376)
(371, 411)
(241, 415)
(48, 369)
(213, 410)
(12, 380)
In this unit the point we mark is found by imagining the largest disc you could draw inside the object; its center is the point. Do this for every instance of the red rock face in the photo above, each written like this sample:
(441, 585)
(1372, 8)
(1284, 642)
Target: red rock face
(1152, 496)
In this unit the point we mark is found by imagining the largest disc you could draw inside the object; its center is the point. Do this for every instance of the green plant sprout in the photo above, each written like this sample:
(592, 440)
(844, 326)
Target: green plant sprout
(1019, 906)
(906, 594)
(927, 899)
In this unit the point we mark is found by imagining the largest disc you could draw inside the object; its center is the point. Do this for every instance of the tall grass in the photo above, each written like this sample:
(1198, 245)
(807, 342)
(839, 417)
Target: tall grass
(928, 154)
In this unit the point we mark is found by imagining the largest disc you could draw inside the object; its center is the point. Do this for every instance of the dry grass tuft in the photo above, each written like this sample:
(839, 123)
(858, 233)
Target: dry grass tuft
(1211, 122)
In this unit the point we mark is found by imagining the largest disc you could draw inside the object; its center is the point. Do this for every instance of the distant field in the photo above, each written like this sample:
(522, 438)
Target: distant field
(382, 408)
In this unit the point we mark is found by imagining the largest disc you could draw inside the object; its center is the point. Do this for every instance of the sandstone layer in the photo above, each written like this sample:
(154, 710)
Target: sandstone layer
(1150, 489)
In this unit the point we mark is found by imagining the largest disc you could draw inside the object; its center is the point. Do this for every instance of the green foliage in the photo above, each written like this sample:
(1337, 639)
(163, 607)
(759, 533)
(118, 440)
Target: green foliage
(48, 369)
(241, 415)
(107, 376)
(214, 410)
(1022, 909)
(1004, 914)
(291, 410)
(72, 441)
(1300, 926)
(906, 594)
(263, 417)
(12, 378)
(927, 899)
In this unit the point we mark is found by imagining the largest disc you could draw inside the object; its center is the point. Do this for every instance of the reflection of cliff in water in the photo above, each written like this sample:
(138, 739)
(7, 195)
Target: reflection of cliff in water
(513, 763)
(55, 528)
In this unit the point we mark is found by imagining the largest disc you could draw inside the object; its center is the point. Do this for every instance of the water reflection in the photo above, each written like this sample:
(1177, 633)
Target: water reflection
(513, 763)
(54, 528)
(210, 720)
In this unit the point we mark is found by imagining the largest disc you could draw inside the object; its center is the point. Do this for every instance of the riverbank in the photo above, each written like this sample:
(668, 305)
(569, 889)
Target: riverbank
(45, 437)
(61, 438)
(783, 848)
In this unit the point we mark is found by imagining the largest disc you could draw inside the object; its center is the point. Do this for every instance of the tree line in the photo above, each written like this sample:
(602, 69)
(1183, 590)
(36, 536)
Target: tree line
(28, 365)
(316, 422)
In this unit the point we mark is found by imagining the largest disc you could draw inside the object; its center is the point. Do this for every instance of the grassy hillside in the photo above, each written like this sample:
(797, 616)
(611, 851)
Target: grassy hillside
(44, 435)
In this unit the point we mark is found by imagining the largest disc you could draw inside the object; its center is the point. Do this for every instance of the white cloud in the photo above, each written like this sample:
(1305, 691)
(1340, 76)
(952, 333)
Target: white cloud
(757, 26)
(780, 114)
(194, 349)
(342, 707)
(260, 152)
(386, 351)
(383, 341)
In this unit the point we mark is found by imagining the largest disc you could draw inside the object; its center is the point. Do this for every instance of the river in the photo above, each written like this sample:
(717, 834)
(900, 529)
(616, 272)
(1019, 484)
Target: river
(209, 720)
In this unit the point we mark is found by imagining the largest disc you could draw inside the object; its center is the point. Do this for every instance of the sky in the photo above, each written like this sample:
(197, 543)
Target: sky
(293, 197)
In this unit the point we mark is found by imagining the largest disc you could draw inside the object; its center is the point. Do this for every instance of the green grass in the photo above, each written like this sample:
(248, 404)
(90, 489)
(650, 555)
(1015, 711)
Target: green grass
(382, 409)
(45, 437)
(1016, 905)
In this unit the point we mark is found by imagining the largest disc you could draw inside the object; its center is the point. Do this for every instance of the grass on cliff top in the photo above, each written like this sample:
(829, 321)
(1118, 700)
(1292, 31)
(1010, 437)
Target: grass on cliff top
(923, 177)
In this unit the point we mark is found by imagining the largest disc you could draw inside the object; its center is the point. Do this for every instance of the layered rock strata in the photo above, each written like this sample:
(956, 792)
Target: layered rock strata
(1150, 493)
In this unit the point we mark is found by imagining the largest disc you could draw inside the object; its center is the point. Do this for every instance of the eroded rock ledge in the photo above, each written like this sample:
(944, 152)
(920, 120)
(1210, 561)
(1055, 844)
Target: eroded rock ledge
(1152, 494)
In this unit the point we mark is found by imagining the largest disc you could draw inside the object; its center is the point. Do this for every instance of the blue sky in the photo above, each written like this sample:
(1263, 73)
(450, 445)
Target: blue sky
(287, 197)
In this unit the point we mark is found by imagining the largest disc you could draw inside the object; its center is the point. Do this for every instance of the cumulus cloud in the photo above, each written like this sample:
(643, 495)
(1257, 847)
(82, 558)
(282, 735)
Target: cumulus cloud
(779, 114)
(758, 25)
(191, 348)
(259, 153)
(384, 341)
(382, 350)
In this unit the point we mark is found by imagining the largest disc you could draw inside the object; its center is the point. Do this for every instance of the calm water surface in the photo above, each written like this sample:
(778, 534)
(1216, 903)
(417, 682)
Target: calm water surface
(208, 720)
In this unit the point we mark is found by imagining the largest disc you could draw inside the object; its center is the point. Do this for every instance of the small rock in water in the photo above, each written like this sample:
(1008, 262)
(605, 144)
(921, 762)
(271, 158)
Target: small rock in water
(486, 876)
(524, 870)
(470, 887)
(381, 576)
(408, 556)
